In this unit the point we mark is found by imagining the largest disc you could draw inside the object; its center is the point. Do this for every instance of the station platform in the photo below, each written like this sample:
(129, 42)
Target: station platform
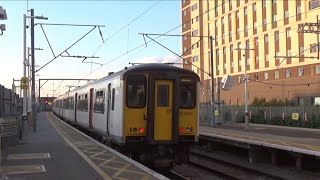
(58, 151)
(297, 140)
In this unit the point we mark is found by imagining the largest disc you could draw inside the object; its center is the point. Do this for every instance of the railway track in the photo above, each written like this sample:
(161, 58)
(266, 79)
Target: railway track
(226, 170)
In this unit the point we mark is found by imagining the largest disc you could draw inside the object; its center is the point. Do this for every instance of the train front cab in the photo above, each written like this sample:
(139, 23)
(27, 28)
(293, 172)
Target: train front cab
(161, 111)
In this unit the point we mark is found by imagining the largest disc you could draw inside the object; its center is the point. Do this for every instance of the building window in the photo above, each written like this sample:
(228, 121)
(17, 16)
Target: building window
(298, 10)
(222, 20)
(184, 12)
(257, 59)
(257, 41)
(184, 25)
(288, 32)
(274, 1)
(286, 14)
(266, 39)
(274, 18)
(314, 4)
(288, 73)
(186, 62)
(224, 50)
(195, 58)
(256, 77)
(263, 3)
(184, 49)
(238, 14)
(230, 17)
(230, 34)
(264, 22)
(246, 28)
(289, 53)
(266, 57)
(184, 1)
(276, 74)
(254, 8)
(197, 18)
(300, 71)
(301, 50)
(276, 35)
(195, 32)
(266, 76)
(232, 64)
(194, 7)
(245, 11)
(239, 79)
(313, 48)
(254, 25)
(318, 69)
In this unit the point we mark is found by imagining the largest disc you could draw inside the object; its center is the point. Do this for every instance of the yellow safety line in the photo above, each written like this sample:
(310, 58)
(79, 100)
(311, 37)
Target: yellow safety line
(286, 143)
(91, 163)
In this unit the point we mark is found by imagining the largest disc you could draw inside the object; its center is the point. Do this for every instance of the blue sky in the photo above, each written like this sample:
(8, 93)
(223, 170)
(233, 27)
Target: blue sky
(113, 14)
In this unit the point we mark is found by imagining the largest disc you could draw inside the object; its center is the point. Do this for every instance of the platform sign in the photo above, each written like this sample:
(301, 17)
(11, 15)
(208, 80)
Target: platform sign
(24, 83)
(295, 116)
(216, 113)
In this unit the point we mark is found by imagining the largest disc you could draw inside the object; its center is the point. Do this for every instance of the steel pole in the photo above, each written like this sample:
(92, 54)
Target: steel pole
(246, 114)
(29, 79)
(213, 120)
(24, 113)
(33, 97)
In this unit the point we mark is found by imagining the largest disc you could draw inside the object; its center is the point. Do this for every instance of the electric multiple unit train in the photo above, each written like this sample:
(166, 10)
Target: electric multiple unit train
(151, 110)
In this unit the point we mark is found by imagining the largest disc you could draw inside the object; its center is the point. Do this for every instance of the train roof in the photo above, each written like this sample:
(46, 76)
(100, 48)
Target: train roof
(138, 68)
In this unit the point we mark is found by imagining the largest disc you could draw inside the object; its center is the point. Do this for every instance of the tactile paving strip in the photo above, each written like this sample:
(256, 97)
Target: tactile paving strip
(113, 166)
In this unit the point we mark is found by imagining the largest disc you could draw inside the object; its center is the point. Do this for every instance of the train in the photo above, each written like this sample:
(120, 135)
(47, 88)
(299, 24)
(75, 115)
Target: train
(149, 110)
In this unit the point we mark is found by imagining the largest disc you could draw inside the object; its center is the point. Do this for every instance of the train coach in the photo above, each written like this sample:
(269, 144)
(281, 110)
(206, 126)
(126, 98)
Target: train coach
(151, 110)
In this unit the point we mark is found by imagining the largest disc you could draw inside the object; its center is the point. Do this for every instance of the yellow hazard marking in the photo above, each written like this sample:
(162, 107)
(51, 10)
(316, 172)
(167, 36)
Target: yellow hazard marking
(281, 142)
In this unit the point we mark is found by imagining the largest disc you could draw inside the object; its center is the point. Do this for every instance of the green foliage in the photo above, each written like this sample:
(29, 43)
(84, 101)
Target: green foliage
(272, 102)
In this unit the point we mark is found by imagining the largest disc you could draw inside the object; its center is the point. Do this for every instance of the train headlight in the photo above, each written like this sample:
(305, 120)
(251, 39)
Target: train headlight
(134, 129)
(182, 129)
(188, 130)
(141, 130)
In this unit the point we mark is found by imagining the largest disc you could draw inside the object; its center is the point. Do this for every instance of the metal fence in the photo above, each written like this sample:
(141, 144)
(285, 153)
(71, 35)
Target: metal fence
(307, 116)
(10, 120)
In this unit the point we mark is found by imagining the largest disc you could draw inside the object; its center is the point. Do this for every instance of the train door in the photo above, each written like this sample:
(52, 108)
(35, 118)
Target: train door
(75, 107)
(91, 108)
(163, 110)
(108, 106)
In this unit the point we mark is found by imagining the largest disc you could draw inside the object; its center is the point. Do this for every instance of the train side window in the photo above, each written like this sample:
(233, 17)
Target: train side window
(99, 102)
(113, 99)
(163, 96)
(71, 105)
(187, 95)
(135, 91)
(83, 102)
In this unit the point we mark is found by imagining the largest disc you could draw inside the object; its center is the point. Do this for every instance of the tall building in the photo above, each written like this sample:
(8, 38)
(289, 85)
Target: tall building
(279, 63)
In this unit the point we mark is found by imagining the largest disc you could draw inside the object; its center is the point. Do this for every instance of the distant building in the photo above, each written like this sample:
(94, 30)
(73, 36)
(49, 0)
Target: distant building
(267, 26)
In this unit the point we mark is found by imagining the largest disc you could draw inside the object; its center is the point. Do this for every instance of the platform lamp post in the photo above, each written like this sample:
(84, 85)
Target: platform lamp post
(24, 115)
(30, 79)
(246, 113)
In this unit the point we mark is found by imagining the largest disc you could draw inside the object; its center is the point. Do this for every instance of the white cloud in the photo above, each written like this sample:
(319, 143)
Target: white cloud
(167, 59)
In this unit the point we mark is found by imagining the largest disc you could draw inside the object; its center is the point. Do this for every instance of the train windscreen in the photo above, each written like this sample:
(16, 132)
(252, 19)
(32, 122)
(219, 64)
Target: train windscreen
(187, 94)
(135, 91)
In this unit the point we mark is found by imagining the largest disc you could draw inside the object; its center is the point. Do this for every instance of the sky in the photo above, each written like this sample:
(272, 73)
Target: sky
(161, 17)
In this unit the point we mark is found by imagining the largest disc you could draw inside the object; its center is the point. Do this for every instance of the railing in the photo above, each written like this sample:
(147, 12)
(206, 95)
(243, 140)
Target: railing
(308, 116)
(10, 120)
